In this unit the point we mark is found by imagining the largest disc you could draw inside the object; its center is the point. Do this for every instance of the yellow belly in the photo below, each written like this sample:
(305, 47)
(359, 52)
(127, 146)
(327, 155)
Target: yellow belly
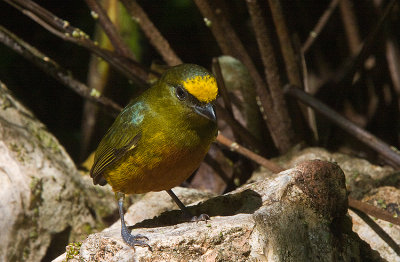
(154, 169)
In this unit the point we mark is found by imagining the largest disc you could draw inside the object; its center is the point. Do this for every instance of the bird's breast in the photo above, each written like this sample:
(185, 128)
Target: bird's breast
(159, 162)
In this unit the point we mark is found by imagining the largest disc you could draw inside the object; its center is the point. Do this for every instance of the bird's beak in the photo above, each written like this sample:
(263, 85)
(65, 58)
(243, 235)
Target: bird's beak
(207, 111)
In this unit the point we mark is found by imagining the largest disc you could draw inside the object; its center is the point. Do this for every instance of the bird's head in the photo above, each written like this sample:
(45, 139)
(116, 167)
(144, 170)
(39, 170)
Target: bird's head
(194, 87)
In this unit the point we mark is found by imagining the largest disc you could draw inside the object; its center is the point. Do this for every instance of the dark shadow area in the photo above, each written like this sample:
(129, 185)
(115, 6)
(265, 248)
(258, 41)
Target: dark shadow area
(57, 245)
(246, 202)
(390, 180)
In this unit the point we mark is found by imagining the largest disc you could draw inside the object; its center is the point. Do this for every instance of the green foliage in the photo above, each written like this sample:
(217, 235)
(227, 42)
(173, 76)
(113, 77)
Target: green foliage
(73, 250)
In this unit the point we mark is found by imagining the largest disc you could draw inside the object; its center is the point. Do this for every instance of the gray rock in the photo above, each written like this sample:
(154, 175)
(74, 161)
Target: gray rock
(377, 185)
(43, 197)
(297, 215)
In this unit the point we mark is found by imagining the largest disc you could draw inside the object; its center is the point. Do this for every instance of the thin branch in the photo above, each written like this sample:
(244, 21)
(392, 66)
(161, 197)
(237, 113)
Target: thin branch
(152, 33)
(347, 71)
(216, 68)
(110, 30)
(230, 44)
(267, 54)
(240, 130)
(392, 53)
(362, 209)
(312, 122)
(370, 40)
(393, 60)
(211, 20)
(390, 153)
(350, 25)
(272, 74)
(221, 86)
(319, 26)
(53, 69)
(61, 28)
(392, 56)
(288, 53)
(373, 211)
(249, 154)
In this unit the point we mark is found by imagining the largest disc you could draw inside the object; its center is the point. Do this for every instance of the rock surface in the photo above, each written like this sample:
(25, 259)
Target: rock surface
(361, 176)
(387, 198)
(44, 200)
(297, 215)
(377, 185)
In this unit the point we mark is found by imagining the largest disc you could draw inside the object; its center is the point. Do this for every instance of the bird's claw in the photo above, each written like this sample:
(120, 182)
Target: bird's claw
(136, 240)
(139, 236)
(202, 217)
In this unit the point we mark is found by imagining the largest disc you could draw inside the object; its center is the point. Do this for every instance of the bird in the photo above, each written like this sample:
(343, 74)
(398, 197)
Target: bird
(159, 139)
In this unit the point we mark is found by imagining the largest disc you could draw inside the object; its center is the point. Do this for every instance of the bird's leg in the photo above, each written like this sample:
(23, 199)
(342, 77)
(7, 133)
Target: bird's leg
(132, 240)
(202, 217)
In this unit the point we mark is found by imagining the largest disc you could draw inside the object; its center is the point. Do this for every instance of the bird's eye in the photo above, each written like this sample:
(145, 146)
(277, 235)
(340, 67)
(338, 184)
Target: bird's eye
(180, 93)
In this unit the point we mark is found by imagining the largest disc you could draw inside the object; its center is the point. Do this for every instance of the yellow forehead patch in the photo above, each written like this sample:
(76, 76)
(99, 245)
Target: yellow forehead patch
(204, 88)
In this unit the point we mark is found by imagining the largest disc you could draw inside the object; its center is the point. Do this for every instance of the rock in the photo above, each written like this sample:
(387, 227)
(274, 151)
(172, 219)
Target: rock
(387, 198)
(361, 176)
(377, 185)
(297, 215)
(43, 198)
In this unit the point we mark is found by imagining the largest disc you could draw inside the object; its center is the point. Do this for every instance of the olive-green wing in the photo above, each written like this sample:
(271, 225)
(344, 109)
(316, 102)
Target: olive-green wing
(122, 137)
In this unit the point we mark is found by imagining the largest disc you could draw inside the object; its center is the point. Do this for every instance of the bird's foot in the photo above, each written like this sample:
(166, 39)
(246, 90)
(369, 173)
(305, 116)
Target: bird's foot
(188, 217)
(131, 240)
(135, 240)
(186, 213)
(202, 217)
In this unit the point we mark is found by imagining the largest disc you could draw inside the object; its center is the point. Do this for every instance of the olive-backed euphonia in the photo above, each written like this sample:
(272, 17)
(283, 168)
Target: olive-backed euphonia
(159, 139)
